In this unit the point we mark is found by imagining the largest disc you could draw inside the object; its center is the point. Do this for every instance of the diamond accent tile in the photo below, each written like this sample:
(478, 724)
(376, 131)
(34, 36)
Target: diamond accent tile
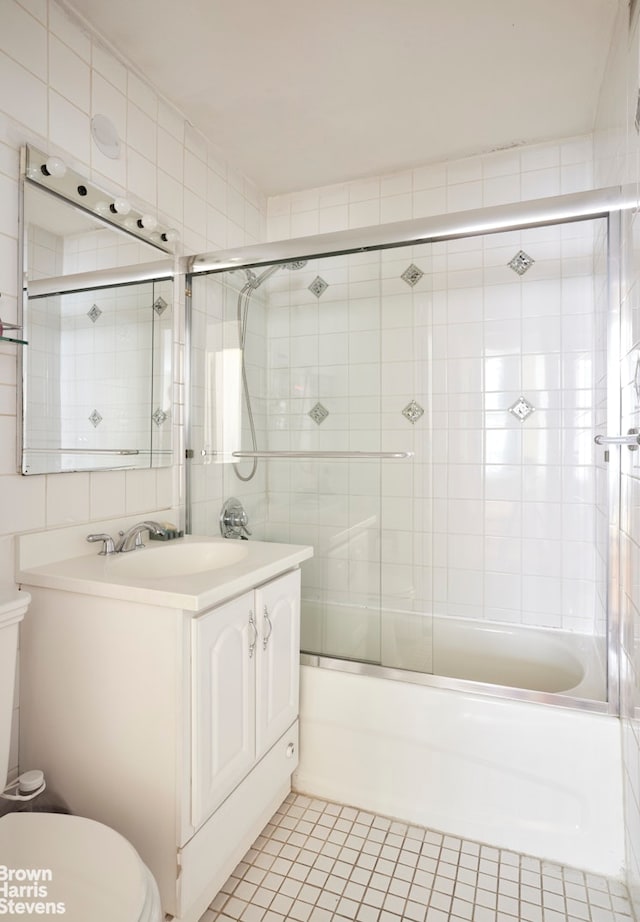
(412, 275)
(318, 286)
(413, 411)
(160, 306)
(159, 416)
(95, 419)
(318, 413)
(521, 262)
(94, 313)
(521, 409)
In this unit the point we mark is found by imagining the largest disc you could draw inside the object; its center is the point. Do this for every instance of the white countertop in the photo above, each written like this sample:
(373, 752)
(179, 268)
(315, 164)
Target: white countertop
(96, 575)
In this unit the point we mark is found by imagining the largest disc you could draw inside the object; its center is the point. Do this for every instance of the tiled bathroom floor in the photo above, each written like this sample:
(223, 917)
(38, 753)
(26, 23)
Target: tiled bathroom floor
(323, 862)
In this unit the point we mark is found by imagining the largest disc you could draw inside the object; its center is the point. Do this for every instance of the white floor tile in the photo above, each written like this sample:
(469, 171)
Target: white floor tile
(323, 862)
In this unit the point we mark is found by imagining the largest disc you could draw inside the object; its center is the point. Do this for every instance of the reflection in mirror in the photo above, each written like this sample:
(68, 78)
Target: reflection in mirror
(97, 382)
(98, 316)
(62, 240)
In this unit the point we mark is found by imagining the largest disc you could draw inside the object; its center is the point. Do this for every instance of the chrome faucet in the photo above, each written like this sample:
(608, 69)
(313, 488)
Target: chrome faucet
(132, 539)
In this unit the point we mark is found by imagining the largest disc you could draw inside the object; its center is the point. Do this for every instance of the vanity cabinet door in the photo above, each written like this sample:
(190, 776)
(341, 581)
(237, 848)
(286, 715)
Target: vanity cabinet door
(224, 649)
(278, 662)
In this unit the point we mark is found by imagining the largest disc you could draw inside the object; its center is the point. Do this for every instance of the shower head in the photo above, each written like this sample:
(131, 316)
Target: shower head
(298, 264)
(254, 281)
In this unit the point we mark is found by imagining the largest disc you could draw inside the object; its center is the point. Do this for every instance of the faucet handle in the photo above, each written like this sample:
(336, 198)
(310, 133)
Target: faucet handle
(108, 546)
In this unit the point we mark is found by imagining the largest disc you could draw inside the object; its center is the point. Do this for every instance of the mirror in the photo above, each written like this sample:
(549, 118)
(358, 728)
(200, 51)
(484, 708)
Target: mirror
(98, 320)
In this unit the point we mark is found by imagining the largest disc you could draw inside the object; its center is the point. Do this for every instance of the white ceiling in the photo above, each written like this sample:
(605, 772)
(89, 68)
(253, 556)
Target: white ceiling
(303, 93)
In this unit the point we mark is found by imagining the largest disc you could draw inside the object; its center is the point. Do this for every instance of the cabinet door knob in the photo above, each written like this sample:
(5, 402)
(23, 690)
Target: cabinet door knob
(290, 750)
(268, 627)
(252, 643)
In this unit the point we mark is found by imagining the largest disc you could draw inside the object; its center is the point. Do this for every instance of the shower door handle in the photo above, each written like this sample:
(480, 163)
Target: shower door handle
(631, 439)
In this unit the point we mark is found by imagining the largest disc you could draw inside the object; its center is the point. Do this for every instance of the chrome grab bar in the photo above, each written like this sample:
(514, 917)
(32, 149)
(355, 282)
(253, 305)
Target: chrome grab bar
(631, 439)
(379, 455)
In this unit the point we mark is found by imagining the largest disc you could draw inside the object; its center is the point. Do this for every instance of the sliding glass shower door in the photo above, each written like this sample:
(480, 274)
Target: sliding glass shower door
(485, 359)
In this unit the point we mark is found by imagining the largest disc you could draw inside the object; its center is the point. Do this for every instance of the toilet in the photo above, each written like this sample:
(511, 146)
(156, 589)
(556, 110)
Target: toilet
(55, 864)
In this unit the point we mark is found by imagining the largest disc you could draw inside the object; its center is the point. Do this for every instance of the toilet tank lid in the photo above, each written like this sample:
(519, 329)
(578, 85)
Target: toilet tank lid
(13, 605)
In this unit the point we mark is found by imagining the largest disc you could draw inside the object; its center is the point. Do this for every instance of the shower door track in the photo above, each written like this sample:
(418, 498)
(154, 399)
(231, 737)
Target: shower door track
(557, 209)
(377, 671)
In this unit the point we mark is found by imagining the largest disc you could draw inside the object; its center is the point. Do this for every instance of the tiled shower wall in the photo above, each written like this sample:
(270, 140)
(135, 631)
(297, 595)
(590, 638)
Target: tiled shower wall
(494, 517)
(616, 150)
(219, 424)
(60, 74)
(494, 527)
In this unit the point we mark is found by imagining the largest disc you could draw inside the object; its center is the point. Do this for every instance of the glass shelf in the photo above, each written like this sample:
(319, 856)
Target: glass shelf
(12, 339)
(13, 330)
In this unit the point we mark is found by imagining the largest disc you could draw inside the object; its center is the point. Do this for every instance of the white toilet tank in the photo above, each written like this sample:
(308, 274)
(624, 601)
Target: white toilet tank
(13, 605)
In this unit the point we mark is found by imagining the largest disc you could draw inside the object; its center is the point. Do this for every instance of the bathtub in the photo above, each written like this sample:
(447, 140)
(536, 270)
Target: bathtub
(480, 761)
(543, 781)
(549, 661)
(497, 654)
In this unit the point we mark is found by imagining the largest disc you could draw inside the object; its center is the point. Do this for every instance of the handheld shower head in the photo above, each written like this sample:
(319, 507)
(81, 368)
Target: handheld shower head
(244, 300)
(254, 281)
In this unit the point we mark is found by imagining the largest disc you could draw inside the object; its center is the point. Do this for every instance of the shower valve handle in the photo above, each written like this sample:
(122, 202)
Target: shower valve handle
(234, 521)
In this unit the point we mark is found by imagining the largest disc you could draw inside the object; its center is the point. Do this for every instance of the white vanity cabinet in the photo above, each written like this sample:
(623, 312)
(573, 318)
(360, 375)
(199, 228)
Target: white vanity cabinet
(176, 727)
(245, 658)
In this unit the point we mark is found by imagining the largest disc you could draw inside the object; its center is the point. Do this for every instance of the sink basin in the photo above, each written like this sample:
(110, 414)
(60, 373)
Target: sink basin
(191, 574)
(176, 559)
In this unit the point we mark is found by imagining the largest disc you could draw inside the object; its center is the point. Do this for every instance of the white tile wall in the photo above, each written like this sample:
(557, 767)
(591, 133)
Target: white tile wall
(493, 179)
(60, 75)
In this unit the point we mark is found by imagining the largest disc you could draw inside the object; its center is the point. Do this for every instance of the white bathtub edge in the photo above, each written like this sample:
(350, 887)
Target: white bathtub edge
(542, 781)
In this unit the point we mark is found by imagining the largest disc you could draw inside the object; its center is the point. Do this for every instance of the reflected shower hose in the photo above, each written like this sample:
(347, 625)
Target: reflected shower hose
(242, 313)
